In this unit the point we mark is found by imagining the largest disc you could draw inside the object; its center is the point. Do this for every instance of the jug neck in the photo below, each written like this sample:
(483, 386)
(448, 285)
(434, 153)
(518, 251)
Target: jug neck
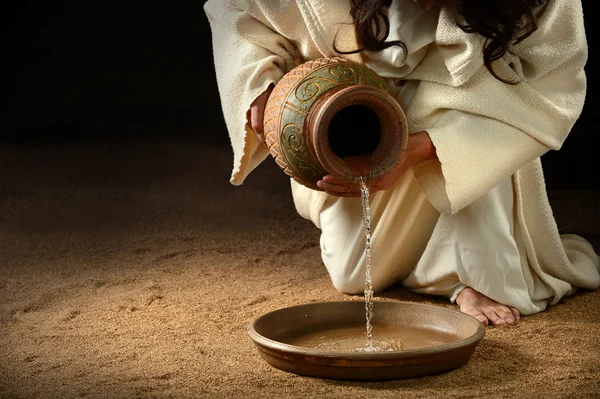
(356, 130)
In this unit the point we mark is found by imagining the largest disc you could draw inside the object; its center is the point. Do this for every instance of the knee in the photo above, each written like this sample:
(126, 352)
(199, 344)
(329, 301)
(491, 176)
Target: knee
(347, 277)
(345, 285)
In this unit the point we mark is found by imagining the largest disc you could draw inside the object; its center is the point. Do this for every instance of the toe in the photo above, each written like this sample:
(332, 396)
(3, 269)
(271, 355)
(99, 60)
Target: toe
(505, 309)
(507, 314)
(516, 314)
(495, 317)
(484, 320)
(478, 315)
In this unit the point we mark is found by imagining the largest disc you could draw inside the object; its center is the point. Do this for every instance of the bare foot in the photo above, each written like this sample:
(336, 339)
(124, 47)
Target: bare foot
(486, 310)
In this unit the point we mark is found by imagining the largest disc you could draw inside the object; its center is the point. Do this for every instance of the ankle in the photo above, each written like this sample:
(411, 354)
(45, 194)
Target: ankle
(465, 292)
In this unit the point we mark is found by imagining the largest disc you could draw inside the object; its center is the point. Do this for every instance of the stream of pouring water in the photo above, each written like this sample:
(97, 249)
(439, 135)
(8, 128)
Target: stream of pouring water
(347, 339)
(371, 345)
(385, 342)
(364, 188)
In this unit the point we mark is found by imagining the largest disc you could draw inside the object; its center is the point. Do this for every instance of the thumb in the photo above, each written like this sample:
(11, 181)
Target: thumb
(257, 113)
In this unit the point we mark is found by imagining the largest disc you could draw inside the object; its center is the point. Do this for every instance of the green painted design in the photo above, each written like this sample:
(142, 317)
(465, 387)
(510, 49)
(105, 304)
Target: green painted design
(322, 79)
(344, 73)
(375, 80)
(295, 148)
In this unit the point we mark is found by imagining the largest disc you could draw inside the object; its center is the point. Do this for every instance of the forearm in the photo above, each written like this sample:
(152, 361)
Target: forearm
(249, 56)
(420, 148)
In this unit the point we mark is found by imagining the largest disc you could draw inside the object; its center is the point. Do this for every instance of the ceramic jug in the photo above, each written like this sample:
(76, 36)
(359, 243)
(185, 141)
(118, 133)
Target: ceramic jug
(334, 116)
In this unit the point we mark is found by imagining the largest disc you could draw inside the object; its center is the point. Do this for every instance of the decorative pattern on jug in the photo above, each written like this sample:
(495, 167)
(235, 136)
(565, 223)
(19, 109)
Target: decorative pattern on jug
(290, 104)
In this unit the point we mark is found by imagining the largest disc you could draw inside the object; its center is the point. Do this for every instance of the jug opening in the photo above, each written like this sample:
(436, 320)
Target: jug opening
(354, 130)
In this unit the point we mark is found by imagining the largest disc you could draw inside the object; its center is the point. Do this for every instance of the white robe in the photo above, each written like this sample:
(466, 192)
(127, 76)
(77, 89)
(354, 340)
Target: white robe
(484, 131)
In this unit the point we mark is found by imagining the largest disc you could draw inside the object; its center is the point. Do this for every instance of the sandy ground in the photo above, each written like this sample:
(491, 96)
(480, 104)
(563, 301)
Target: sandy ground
(133, 269)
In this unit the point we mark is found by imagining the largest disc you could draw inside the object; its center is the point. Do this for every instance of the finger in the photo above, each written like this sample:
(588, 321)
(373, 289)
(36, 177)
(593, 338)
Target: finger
(335, 187)
(336, 180)
(338, 191)
(425, 4)
(256, 118)
(340, 184)
(257, 112)
(343, 194)
(377, 187)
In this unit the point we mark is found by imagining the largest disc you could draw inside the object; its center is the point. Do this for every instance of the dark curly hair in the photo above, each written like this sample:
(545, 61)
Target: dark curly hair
(501, 22)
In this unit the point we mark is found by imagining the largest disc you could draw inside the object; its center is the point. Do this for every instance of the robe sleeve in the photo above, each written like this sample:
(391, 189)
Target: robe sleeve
(485, 130)
(249, 55)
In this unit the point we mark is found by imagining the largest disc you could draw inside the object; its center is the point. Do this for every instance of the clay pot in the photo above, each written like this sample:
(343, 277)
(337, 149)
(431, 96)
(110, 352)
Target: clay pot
(334, 116)
(435, 339)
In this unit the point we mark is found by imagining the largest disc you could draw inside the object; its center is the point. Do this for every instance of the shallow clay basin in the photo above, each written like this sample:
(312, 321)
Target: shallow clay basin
(315, 339)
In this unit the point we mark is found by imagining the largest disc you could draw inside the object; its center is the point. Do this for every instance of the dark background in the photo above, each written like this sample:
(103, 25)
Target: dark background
(98, 71)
